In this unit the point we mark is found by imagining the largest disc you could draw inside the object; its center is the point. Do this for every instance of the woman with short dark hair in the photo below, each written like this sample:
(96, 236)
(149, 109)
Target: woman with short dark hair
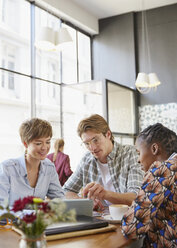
(31, 174)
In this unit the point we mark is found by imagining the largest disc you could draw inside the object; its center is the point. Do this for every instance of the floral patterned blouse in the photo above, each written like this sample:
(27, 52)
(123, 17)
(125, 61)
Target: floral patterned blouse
(153, 214)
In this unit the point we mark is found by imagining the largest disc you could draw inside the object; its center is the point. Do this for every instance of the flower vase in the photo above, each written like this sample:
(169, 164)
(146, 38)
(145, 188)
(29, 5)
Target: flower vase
(33, 241)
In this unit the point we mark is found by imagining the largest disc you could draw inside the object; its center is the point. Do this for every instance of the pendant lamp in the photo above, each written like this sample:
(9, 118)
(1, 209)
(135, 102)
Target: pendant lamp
(51, 40)
(146, 82)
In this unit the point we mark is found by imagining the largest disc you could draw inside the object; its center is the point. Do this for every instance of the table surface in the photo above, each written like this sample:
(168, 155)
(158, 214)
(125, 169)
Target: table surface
(10, 239)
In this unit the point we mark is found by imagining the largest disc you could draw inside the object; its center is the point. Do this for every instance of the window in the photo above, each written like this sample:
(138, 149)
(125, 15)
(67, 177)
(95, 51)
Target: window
(69, 59)
(31, 86)
(48, 64)
(86, 99)
(14, 109)
(8, 16)
(84, 57)
(48, 107)
(15, 35)
(8, 61)
(3, 75)
(11, 85)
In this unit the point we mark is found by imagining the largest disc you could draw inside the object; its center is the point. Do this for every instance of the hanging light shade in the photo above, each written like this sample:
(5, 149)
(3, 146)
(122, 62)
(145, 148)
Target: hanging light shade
(46, 39)
(153, 80)
(50, 40)
(142, 80)
(62, 37)
(142, 83)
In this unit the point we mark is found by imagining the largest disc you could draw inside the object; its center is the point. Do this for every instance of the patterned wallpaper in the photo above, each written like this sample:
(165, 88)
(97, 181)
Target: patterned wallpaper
(162, 113)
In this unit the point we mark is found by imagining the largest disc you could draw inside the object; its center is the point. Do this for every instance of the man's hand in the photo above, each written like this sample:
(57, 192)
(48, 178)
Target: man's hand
(94, 191)
(97, 205)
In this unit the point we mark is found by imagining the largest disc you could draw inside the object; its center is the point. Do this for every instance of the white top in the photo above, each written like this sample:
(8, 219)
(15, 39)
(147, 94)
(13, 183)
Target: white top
(106, 178)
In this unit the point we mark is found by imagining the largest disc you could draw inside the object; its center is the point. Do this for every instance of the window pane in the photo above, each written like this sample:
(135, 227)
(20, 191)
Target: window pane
(15, 90)
(14, 109)
(48, 104)
(69, 59)
(47, 63)
(15, 35)
(84, 57)
(86, 99)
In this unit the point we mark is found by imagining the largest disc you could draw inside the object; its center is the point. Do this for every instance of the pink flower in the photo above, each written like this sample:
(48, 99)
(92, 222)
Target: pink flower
(29, 218)
(27, 200)
(18, 205)
(44, 207)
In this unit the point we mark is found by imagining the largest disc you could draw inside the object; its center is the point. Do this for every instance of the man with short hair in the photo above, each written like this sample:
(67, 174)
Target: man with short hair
(108, 172)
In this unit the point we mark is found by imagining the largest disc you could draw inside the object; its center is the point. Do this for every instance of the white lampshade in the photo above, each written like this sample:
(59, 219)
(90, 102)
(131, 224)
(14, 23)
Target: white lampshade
(144, 83)
(153, 80)
(142, 80)
(46, 39)
(62, 37)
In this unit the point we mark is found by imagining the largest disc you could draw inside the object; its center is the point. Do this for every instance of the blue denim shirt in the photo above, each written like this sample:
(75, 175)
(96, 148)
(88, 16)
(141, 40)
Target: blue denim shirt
(14, 183)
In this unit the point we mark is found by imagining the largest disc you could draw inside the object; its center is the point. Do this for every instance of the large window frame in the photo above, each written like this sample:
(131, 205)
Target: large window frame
(32, 75)
(7, 73)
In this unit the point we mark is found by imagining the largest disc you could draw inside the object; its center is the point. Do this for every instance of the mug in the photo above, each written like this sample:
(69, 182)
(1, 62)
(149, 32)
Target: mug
(117, 211)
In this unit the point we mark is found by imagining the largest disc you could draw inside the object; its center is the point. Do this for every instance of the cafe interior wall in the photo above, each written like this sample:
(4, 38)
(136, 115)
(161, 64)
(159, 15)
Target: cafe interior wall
(117, 55)
(162, 113)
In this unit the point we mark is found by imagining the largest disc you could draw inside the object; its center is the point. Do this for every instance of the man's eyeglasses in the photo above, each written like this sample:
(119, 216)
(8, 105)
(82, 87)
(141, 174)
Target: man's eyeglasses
(94, 141)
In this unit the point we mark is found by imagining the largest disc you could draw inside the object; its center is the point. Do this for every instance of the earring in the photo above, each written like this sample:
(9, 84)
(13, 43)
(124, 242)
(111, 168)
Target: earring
(26, 151)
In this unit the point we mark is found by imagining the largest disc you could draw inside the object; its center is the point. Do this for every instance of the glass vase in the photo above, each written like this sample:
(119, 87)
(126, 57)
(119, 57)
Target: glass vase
(33, 242)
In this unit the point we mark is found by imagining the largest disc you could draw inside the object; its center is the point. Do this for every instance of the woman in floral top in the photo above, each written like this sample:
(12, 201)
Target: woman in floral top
(153, 214)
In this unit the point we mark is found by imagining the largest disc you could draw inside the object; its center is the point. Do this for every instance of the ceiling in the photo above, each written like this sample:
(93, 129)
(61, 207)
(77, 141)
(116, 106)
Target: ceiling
(107, 8)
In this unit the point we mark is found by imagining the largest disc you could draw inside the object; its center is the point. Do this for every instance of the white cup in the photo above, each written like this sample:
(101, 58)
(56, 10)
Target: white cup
(117, 211)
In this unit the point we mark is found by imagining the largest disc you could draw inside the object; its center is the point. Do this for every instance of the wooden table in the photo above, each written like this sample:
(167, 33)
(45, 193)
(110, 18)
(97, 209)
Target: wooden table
(10, 239)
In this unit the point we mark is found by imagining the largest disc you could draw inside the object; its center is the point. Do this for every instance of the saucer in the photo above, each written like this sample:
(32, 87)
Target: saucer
(110, 219)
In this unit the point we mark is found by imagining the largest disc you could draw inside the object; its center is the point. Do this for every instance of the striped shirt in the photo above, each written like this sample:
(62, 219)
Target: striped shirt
(125, 171)
(14, 183)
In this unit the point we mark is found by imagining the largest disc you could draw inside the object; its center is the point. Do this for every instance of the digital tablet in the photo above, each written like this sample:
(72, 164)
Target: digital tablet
(81, 206)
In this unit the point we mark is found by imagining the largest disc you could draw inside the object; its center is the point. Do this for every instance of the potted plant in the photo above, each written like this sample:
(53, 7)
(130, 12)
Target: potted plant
(30, 216)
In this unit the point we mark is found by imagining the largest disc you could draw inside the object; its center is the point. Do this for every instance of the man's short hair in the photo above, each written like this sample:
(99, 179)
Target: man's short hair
(94, 123)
